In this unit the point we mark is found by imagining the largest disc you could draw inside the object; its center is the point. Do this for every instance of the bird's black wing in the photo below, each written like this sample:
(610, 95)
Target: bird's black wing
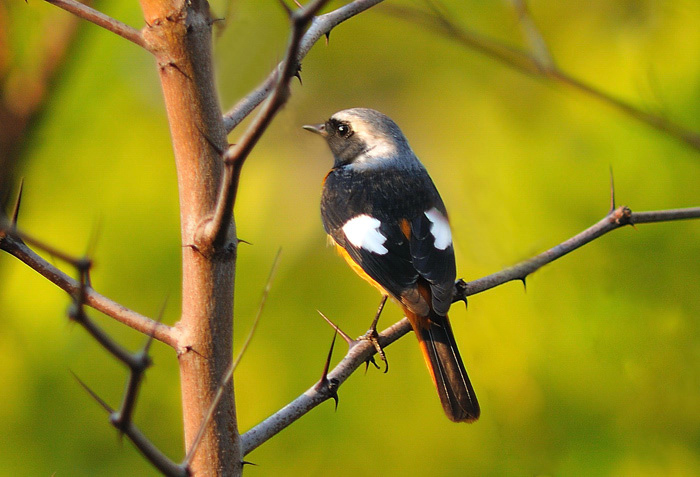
(408, 253)
(435, 265)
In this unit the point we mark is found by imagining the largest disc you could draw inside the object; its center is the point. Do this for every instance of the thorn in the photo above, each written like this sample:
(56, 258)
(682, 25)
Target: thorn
(351, 342)
(298, 4)
(147, 345)
(523, 280)
(335, 397)
(92, 393)
(612, 190)
(371, 361)
(329, 386)
(191, 246)
(328, 37)
(245, 462)
(18, 201)
(240, 240)
(324, 376)
(297, 74)
(460, 292)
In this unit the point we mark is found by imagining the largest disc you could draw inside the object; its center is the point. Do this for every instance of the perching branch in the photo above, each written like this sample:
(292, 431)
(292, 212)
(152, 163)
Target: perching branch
(361, 351)
(212, 233)
(315, 395)
(102, 20)
(537, 63)
(615, 219)
(320, 26)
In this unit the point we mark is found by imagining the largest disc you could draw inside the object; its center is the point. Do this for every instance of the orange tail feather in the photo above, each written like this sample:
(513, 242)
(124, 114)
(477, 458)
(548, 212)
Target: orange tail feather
(442, 357)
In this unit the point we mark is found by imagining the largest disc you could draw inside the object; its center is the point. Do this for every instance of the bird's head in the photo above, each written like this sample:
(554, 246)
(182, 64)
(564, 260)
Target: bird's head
(365, 138)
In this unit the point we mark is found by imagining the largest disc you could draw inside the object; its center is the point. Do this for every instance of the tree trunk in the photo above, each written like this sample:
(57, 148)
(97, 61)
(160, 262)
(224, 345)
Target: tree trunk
(180, 34)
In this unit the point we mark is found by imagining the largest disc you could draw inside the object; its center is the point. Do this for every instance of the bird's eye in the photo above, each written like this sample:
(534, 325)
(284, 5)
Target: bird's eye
(343, 130)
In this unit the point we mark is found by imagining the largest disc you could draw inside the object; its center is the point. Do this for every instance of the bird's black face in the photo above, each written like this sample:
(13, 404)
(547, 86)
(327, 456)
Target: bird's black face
(340, 135)
(344, 143)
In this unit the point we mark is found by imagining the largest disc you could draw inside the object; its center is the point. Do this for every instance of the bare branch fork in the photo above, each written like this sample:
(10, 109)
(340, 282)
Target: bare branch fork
(361, 351)
(13, 242)
(211, 234)
(538, 61)
(178, 34)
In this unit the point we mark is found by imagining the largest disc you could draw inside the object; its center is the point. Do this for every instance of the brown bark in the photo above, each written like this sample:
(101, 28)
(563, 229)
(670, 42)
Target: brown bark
(179, 34)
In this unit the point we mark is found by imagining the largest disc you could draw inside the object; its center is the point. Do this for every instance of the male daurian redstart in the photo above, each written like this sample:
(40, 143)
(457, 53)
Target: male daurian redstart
(387, 219)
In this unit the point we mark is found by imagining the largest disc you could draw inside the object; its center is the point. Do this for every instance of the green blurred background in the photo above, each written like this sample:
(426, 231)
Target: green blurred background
(594, 370)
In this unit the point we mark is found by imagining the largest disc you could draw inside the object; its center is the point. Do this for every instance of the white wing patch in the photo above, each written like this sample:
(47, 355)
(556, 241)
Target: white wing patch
(440, 228)
(363, 232)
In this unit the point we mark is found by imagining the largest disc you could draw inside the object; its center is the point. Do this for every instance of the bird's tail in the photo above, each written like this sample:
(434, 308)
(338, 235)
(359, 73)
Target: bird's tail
(442, 357)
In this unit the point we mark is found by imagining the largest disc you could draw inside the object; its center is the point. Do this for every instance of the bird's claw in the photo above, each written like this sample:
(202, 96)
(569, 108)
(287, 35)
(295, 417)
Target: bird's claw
(373, 337)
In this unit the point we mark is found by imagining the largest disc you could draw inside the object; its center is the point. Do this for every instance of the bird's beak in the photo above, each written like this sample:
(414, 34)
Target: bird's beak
(319, 129)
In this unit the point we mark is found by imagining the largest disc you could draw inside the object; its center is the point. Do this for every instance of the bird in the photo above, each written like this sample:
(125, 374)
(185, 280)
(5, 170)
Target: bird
(386, 218)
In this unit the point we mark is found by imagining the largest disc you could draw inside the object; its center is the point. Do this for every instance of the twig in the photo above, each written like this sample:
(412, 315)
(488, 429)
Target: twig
(16, 247)
(142, 443)
(531, 64)
(102, 20)
(615, 219)
(137, 363)
(229, 373)
(315, 395)
(363, 350)
(320, 26)
(212, 233)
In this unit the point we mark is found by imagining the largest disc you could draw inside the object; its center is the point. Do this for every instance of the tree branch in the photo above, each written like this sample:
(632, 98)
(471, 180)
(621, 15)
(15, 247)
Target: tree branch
(361, 351)
(212, 233)
(532, 64)
(615, 219)
(13, 245)
(320, 26)
(315, 395)
(159, 460)
(102, 20)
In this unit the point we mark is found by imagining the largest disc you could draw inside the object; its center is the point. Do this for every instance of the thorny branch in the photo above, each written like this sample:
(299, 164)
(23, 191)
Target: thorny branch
(137, 363)
(538, 62)
(320, 26)
(212, 233)
(13, 242)
(361, 351)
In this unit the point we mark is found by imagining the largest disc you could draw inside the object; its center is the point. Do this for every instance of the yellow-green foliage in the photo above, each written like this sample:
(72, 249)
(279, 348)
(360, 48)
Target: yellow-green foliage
(593, 371)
